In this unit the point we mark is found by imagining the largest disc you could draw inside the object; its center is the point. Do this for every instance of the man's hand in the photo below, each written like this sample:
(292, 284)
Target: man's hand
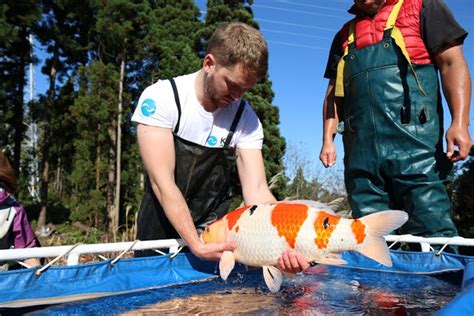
(212, 251)
(328, 154)
(458, 136)
(292, 261)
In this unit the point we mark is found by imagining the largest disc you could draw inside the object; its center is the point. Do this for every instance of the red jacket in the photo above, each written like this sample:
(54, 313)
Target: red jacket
(369, 31)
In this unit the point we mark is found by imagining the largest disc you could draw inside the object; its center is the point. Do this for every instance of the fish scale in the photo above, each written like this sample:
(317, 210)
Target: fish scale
(258, 240)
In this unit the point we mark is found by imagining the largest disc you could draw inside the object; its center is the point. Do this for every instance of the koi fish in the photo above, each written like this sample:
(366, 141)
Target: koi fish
(262, 232)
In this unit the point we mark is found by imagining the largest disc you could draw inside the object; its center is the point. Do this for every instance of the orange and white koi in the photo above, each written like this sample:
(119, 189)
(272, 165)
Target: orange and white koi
(263, 232)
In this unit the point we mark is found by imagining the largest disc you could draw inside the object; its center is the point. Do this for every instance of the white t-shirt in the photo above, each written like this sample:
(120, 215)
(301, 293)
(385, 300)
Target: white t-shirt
(157, 107)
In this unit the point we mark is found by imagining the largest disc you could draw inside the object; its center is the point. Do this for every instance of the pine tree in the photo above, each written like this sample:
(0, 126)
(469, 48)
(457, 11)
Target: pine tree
(63, 30)
(92, 112)
(16, 21)
(118, 37)
(169, 47)
(299, 187)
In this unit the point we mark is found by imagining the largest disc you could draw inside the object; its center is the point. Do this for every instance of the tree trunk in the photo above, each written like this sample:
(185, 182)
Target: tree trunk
(18, 118)
(97, 164)
(44, 179)
(44, 182)
(114, 216)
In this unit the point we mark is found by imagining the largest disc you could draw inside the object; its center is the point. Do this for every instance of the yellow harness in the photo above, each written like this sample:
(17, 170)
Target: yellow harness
(397, 36)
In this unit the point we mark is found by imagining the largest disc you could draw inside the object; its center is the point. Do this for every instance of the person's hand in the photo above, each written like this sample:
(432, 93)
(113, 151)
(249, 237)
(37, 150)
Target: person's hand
(212, 251)
(292, 261)
(32, 262)
(458, 136)
(328, 154)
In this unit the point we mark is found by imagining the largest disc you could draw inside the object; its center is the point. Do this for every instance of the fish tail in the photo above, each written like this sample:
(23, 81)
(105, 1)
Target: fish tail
(378, 225)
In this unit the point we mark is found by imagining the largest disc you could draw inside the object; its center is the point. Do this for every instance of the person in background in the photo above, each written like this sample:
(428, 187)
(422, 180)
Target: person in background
(190, 130)
(384, 96)
(15, 230)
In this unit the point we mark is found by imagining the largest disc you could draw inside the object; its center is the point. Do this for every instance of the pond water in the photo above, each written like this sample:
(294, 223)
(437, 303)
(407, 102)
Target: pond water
(323, 291)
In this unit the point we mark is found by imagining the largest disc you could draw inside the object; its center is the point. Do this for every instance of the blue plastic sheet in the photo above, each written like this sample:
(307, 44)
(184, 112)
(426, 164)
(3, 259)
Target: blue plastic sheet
(463, 303)
(57, 284)
(72, 283)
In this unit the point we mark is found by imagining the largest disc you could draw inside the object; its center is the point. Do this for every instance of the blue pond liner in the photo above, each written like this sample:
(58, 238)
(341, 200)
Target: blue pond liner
(93, 287)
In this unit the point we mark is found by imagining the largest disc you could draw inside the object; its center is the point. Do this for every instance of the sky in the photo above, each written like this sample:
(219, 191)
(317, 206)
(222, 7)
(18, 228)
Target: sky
(299, 34)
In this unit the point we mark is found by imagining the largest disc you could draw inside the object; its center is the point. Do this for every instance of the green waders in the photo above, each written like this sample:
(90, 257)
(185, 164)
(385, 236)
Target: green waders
(393, 139)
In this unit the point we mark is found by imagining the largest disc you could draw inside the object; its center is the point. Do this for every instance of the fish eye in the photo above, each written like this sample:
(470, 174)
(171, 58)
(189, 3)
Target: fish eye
(326, 223)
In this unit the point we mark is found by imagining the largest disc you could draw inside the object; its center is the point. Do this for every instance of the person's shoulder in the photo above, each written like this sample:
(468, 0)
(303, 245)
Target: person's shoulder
(160, 87)
(248, 110)
(184, 83)
(433, 4)
(7, 199)
(249, 117)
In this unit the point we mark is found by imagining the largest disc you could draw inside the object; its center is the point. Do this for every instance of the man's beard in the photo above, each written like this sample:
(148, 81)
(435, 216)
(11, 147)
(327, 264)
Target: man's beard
(211, 95)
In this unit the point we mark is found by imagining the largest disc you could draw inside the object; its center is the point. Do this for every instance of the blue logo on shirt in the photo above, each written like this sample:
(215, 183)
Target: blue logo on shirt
(212, 140)
(148, 107)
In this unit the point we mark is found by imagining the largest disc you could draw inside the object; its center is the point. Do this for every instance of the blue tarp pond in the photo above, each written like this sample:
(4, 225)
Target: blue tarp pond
(418, 282)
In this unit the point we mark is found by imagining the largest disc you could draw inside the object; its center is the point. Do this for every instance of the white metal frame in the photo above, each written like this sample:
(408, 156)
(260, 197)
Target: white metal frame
(73, 252)
(427, 242)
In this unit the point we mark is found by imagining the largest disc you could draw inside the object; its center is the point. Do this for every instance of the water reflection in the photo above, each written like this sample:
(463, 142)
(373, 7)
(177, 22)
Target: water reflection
(324, 291)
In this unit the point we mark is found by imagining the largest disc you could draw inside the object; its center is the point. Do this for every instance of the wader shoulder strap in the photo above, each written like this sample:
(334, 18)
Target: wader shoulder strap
(234, 124)
(397, 36)
(339, 92)
(178, 104)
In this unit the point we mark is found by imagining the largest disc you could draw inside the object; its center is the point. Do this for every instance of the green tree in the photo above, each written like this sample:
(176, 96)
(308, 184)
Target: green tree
(63, 30)
(260, 96)
(171, 42)
(16, 21)
(108, 86)
(462, 196)
(300, 188)
(92, 112)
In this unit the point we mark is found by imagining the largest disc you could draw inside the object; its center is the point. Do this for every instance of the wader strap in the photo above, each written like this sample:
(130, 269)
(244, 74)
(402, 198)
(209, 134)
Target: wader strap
(234, 124)
(397, 36)
(178, 104)
(339, 92)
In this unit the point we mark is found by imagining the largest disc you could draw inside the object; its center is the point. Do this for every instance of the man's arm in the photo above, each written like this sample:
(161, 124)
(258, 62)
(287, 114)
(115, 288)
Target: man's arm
(456, 83)
(330, 121)
(252, 177)
(158, 154)
(255, 191)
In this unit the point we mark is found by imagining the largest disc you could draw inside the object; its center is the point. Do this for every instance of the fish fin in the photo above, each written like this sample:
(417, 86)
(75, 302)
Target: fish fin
(376, 249)
(331, 259)
(273, 278)
(226, 264)
(378, 225)
(383, 223)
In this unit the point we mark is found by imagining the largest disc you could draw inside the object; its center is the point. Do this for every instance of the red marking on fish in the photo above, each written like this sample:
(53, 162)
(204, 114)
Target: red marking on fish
(288, 219)
(359, 231)
(234, 216)
(324, 226)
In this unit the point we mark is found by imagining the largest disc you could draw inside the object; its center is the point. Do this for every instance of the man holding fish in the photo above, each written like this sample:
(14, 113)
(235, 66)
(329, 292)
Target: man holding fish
(190, 129)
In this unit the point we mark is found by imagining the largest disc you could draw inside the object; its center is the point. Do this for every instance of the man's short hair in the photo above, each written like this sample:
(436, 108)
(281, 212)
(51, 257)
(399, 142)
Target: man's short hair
(234, 43)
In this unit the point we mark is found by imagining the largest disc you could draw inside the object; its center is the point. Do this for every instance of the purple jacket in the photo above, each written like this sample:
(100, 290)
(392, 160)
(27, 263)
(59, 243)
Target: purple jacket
(21, 234)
